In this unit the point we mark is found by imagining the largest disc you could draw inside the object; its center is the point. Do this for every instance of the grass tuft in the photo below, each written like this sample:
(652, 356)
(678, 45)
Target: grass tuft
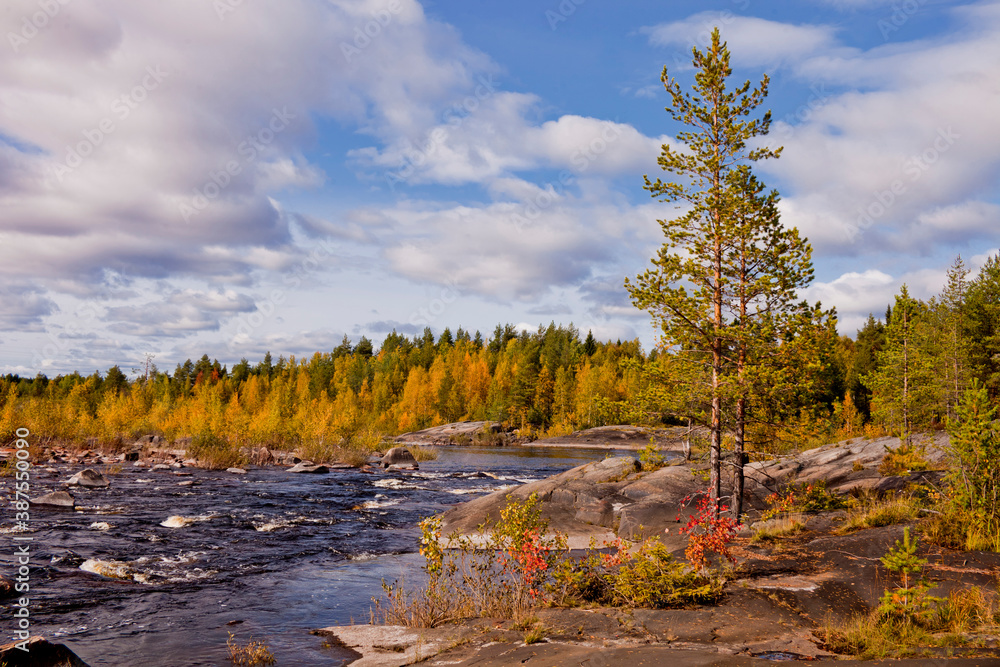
(777, 528)
(250, 654)
(872, 512)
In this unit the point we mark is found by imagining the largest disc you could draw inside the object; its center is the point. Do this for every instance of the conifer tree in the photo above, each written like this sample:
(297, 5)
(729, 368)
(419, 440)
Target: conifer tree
(952, 345)
(983, 325)
(768, 265)
(903, 388)
(690, 289)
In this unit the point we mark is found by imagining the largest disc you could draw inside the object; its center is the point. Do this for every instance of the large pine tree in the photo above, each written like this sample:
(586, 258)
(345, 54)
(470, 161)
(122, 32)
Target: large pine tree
(720, 276)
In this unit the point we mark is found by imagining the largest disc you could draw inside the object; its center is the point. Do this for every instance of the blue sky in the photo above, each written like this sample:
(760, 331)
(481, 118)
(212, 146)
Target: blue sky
(240, 176)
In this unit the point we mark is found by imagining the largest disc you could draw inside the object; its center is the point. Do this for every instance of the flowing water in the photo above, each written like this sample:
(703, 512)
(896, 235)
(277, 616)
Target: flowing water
(269, 555)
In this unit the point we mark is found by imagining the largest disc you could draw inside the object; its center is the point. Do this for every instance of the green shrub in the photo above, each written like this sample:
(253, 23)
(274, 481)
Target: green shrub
(908, 618)
(974, 470)
(650, 456)
(651, 579)
(904, 459)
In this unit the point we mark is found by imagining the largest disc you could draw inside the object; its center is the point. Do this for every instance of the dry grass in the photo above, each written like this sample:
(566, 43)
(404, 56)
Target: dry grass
(777, 528)
(535, 634)
(250, 654)
(422, 453)
(874, 636)
(876, 512)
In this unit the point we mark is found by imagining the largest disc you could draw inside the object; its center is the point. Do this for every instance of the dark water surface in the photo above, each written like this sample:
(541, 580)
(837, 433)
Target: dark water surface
(268, 554)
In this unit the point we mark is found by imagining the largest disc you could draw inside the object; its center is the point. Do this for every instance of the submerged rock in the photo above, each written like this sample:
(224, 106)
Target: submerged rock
(89, 478)
(56, 499)
(178, 521)
(309, 468)
(40, 653)
(112, 569)
(6, 588)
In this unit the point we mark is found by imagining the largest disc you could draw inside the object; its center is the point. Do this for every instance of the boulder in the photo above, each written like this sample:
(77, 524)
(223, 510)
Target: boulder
(90, 478)
(305, 467)
(40, 653)
(399, 456)
(131, 456)
(55, 499)
(236, 471)
(449, 434)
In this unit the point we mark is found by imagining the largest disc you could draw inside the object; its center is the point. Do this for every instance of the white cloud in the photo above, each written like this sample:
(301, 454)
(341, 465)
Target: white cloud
(515, 250)
(907, 165)
(754, 42)
(498, 137)
(147, 139)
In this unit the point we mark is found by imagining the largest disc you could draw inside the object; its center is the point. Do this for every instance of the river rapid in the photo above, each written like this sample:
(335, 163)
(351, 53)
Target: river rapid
(269, 555)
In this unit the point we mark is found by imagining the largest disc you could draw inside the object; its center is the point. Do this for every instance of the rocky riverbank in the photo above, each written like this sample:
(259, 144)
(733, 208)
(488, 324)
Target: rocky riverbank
(777, 600)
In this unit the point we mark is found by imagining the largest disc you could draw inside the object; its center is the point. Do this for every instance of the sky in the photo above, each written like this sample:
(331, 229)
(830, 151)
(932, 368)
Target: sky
(232, 177)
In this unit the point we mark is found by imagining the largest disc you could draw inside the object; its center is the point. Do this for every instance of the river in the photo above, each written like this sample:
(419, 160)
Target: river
(269, 555)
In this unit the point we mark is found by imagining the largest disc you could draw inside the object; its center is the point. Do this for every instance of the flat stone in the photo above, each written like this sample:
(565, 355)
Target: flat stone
(393, 645)
(236, 471)
(56, 499)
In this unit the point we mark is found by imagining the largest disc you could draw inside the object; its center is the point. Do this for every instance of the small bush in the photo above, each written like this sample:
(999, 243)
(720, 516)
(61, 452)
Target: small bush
(709, 531)
(650, 456)
(250, 654)
(580, 581)
(650, 578)
(214, 452)
(422, 453)
(946, 528)
(974, 472)
(804, 499)
(534, 635)
(904, 459)
(501, 580)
